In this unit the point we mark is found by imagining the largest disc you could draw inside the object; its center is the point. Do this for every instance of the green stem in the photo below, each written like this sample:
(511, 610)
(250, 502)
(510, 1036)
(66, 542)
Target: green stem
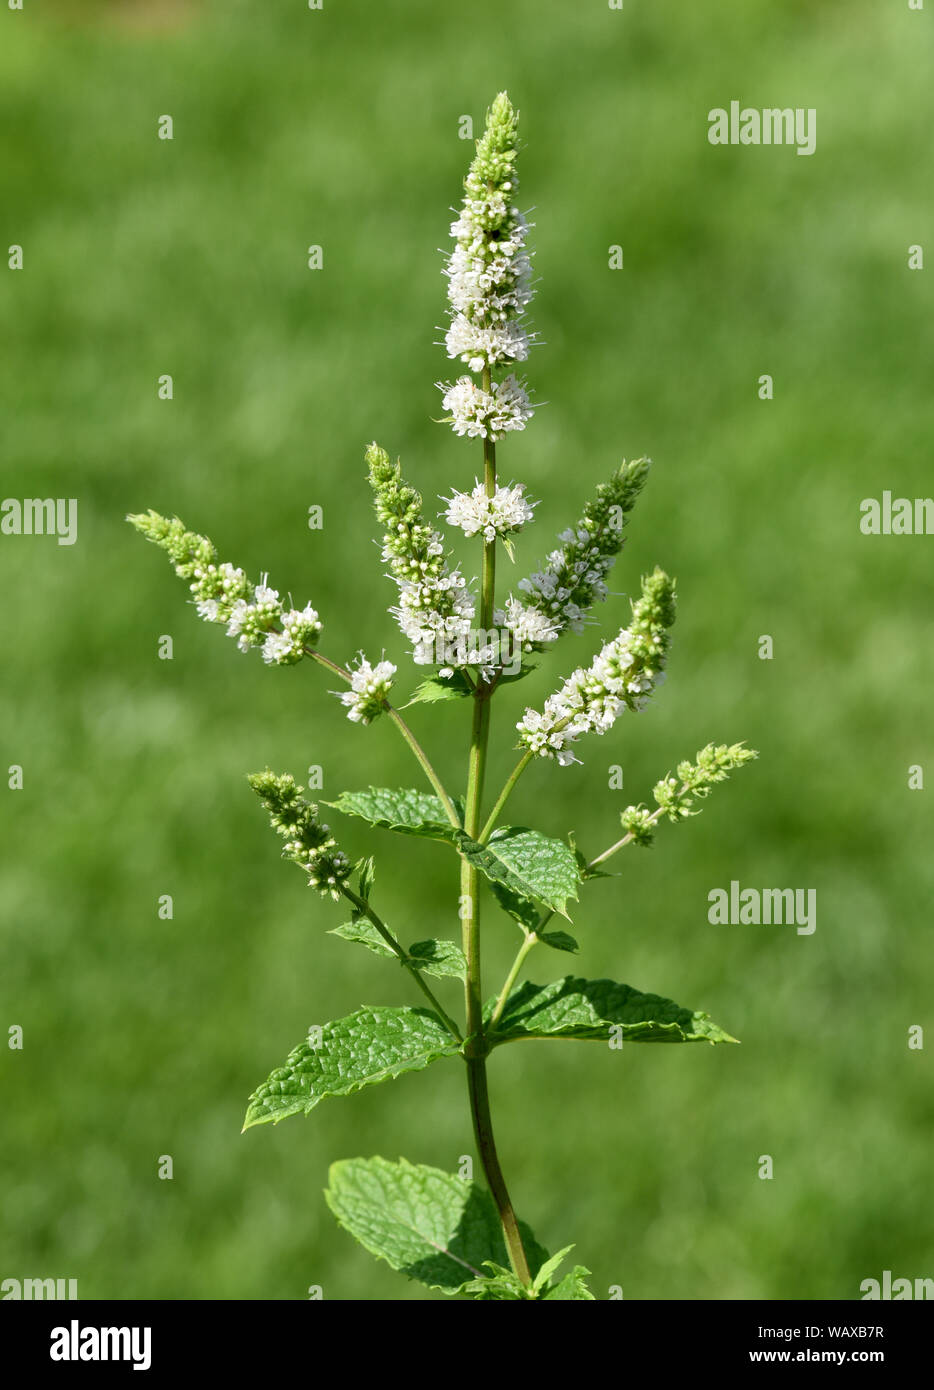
(363, 906)
(534, 935)
(483, 1131)
(475, 1048)
(626, 840)
(504, 795)
(531, 939)
(449, 808)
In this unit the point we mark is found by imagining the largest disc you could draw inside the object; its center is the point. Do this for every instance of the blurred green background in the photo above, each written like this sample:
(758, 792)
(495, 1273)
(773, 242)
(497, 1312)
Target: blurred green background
(338, 127)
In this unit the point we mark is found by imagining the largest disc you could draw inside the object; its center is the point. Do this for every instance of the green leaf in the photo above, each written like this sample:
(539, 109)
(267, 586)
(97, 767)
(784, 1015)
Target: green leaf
(548, 1268)
(526, 862)
(596, 1009)
(526, 913)
(366, 1047)
(436, 688)
(559, 940)
(430, 1225)
(404, 810)
(522, 910)
(571, 1288)
(362, 930)
(526, 669)
(439, 957)
(367, 878)
(500, 1284)
(583, 867)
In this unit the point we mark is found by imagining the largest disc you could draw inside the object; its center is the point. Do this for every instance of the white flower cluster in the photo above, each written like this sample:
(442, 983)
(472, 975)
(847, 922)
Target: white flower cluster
(580, 566)
(486, 414)
(590, 701)
(503, 514)
(263, 620)
(435, 609)
(436, 614)
(489, 276)
(622, 676)
(480, 346)
(256, 616)
(489, 286)
(529, 626)
(573, 577)
(369, 689)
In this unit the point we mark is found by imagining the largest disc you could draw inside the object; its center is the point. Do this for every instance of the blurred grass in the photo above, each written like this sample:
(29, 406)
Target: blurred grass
(143, 1037)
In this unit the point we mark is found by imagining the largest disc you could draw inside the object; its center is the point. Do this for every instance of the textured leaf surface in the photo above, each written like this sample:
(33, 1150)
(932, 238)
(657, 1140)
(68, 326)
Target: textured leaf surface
(430, 1225)
(571, 1289)
(434, 957)
(527, 914)
(559, 940)
(527, 863)
(363, 931)
(369, 1046)
(433, 689)
(520, 909)
(403, 809)
(591, 1009)
(439, 957)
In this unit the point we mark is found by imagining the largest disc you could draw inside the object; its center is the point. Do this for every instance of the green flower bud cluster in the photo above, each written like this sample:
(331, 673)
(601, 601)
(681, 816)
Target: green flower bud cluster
(573, 577)
(435, 610)
(653, 615)
(308, 842)
(675, 796)
(254, 614)
(494, 165)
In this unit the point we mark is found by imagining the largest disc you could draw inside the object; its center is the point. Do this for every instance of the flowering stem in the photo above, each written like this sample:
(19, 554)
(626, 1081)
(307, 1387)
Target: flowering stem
(626, 840)
(449, 808)
(504, 796)
(533, 937)
(363, 906)
(475, 1048)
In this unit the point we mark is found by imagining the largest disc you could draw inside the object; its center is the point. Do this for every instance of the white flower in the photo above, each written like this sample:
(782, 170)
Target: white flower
(369, 689)
(489, 285)
(476, 412)
(484, 346)
(528, 625)
(278, 649)
(494, 285)
(503, 514)
(622, 676)
(299, 629)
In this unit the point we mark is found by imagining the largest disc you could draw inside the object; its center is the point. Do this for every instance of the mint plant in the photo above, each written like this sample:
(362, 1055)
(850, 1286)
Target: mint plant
(460, 1236)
